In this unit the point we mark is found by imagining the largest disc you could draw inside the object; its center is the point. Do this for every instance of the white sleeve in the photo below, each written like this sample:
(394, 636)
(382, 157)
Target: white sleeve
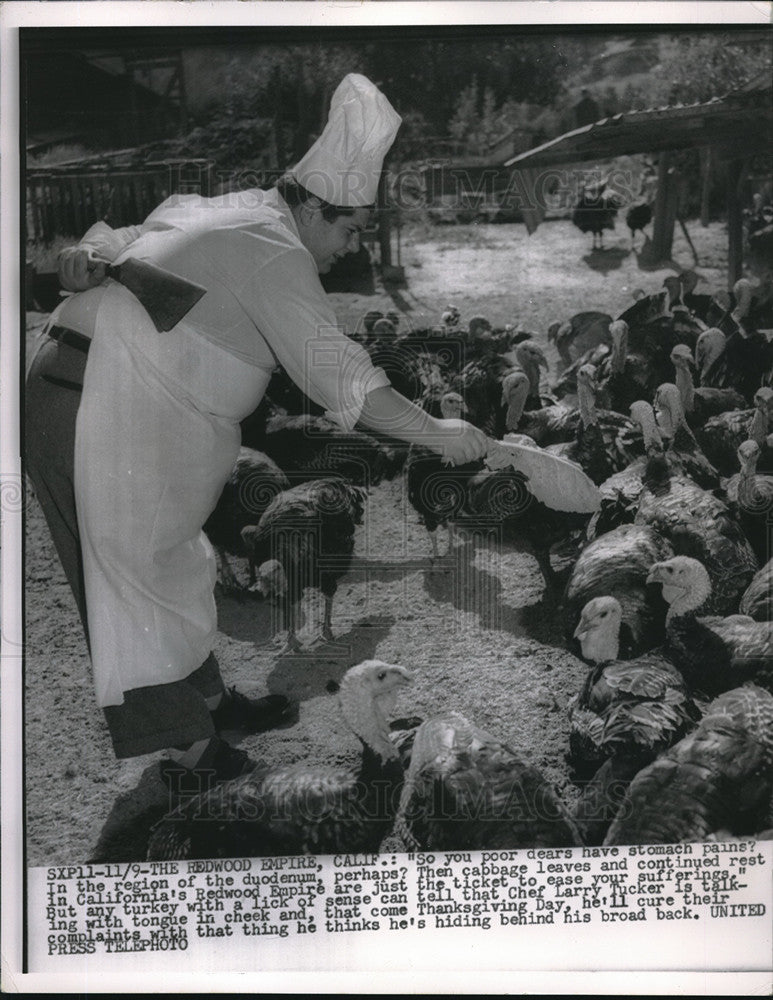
(288, 305)
(107, 243)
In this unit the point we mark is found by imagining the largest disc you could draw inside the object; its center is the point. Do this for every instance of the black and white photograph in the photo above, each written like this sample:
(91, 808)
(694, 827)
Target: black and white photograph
(388, 493)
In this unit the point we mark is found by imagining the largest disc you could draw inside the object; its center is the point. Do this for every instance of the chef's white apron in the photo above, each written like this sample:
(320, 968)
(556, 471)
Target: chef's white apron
(157, 437)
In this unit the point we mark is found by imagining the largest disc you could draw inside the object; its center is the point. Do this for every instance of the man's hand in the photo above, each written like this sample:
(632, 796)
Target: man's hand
(79, 270)
(459, 442)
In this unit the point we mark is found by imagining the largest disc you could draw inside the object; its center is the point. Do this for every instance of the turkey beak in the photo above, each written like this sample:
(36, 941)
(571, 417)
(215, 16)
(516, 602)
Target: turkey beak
(582, 629)
(543, 361)
(654, 575)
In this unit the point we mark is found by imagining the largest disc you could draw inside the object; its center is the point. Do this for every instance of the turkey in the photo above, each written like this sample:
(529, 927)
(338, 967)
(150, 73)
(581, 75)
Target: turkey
(626, 713)
(304, 538)
(708, 308)
(717, 778)
(713, 653)
(704, 402)
(631, 707)
(468, 790)
(638, 217)
(450, 317)
(565, 387)
(579, 334)
(313, 447)
(253, 484)
(680, 441)
(698, 524)
(757, 601)
(620, 493)
(503, 500)
(656, 324)
(747, 355)
(303, 807)
(722, 436)
(595, 212)
(529, 358)
(618, 563)
(750, 498)
(605, 441)
(708, 347)
(550, 425)
(623, 378)
(481, 384)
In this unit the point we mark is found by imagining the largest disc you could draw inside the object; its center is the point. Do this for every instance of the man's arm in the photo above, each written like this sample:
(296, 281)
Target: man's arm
(79, 265)
(385, 410)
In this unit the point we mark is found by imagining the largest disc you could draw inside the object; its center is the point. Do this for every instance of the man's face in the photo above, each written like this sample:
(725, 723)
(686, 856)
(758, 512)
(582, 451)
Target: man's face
(327, 241)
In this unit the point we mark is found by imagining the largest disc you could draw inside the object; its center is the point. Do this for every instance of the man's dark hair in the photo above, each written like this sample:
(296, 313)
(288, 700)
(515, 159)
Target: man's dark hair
(295, 195)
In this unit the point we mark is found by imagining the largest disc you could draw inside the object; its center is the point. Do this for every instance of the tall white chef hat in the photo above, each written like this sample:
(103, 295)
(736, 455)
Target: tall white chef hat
(344, 164)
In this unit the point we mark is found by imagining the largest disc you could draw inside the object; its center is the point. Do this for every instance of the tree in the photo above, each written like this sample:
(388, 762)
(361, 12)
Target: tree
(700, 67)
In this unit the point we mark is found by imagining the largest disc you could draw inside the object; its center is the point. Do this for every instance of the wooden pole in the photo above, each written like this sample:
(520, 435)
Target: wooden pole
(665, 209)
(705, 162)
(736, 170)
(384, 224)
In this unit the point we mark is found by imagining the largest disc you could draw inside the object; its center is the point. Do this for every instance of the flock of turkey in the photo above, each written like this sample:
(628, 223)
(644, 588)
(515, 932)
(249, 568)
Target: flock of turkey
(668, 409)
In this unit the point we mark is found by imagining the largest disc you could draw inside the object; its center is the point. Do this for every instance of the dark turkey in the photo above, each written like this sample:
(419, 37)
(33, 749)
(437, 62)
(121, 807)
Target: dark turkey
(638, 217)
(748, 355)
(757, 601)
(656, 324)
(750, 499)
(722, 436)
(623, 377)
(718, 778)
(581, 333)
(704, 402)
(618, 563)
(313, 447)
(633, 708)
(253, 484)
(697, 524)
(595, 212)
(605, 442)
(305, 538)
(302, 807)
(681, 444)
(626, 713)
(529, 358)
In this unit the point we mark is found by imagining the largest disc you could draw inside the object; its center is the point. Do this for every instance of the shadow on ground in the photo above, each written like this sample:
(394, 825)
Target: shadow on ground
(605, 261)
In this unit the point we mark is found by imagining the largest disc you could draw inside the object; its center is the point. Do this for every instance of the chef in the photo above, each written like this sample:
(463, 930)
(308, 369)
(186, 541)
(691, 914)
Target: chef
(157, 427)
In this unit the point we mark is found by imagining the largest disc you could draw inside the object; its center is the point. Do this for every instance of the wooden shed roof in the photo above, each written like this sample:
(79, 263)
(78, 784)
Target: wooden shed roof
(743, 120)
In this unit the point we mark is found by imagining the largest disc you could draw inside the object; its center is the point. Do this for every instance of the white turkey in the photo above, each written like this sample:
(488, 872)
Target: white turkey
(303, 807)
(713, 653)
(466, 789)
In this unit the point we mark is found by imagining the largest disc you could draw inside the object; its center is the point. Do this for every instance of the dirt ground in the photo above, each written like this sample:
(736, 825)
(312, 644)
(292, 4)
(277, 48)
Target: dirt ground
(476, 628)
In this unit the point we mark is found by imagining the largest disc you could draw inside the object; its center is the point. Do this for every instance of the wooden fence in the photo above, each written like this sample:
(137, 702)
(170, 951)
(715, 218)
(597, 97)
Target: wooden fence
(66, 200)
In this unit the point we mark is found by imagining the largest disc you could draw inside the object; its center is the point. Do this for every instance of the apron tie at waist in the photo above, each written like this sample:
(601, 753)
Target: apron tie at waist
(70, 337)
